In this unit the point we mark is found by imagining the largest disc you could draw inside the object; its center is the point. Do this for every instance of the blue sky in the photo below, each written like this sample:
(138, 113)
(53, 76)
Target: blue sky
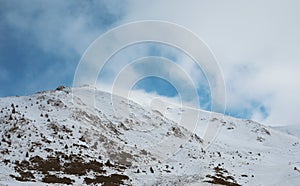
(35, 51)
(256, 44)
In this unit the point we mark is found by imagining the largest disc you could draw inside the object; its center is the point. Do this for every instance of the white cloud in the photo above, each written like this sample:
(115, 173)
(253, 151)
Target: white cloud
(125, 77)
(61, 27)
(255, 42)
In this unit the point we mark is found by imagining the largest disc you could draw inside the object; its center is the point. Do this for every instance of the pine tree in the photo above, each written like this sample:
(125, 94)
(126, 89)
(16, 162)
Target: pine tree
(151, 170)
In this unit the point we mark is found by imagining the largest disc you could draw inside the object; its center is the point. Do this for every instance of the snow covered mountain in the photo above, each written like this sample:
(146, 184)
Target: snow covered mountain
(55, 137)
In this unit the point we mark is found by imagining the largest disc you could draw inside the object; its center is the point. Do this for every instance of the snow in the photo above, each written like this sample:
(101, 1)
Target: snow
(141, 133)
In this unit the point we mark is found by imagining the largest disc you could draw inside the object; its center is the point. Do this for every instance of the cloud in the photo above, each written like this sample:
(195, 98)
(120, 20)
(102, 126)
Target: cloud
(256, 45)
(128, 75)
(61, 26)
(41, 42)
(138, 62)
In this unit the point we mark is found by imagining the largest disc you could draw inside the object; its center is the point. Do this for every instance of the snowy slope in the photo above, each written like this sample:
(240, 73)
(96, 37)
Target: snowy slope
(293, 130)
(61, 137)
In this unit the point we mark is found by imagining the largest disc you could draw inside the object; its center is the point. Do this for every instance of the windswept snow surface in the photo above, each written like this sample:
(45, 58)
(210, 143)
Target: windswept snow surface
(83, 136)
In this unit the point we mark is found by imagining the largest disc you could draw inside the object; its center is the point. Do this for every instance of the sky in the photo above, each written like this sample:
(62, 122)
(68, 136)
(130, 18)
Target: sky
(256, 44)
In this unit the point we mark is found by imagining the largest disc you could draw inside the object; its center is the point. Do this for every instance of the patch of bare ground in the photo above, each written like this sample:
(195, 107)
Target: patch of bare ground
(67, 165)
(54, 179)
(114, 179)
(24, 176)
(220, 178)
